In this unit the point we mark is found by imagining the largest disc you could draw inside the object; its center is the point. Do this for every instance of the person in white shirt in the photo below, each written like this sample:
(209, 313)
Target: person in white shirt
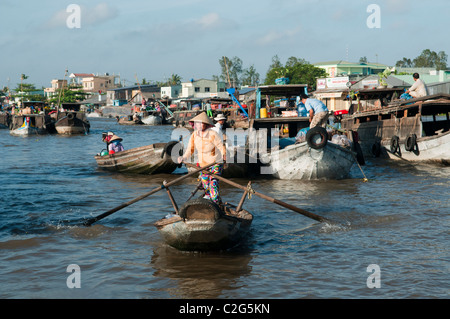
(418, 89)
(219, 128)
(220, 125)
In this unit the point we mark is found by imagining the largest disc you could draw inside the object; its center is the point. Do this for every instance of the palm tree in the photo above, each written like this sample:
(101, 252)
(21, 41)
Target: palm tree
(174, 79)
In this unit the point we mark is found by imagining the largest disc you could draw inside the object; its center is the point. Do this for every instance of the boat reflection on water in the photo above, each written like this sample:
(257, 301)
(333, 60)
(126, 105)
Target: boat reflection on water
(201, 275)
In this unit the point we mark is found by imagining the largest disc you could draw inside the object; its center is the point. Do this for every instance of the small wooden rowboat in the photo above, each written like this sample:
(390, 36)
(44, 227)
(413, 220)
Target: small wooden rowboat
(151, 159)
(202, 225)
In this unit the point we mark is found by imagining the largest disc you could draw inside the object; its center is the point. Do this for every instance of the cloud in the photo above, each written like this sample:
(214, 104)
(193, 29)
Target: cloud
(398, 6)
(176, 33)
(273, 37)
(88, 15)
(210, 20)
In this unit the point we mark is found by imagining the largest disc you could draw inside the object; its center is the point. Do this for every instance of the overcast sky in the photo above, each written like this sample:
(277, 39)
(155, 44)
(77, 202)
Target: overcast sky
(153, 39)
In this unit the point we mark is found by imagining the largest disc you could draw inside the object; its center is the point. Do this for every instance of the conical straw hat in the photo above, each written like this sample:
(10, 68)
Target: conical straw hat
(115, 138)
(202, 117)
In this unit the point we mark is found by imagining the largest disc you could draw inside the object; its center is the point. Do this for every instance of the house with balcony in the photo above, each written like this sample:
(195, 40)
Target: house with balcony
(100, 83)
(76, 79)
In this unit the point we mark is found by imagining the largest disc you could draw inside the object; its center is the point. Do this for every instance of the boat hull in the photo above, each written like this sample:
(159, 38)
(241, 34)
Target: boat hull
(27, 131)
(72, 123)
(26, 125)
(205, 227)
(150, 159)
(299, 161)
(152, 120)
(69, 130)
(431, 149)
(385, 132)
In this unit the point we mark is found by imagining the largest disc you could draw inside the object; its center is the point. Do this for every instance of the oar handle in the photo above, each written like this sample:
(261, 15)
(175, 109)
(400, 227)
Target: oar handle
(271, 199)
(111, 211)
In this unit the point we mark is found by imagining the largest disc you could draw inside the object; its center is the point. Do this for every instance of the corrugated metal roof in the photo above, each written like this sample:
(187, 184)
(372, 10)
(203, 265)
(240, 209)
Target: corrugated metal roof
(246, 90)
(136, 87)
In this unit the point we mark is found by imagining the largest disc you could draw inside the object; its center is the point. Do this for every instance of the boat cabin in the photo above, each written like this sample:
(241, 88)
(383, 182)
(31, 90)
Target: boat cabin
(34, 120)
(74, 107)
(372, 99)
(273, 100)
(422, 117)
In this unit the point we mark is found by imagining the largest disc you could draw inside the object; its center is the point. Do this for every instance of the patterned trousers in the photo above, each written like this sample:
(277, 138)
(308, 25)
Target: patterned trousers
(211, 184)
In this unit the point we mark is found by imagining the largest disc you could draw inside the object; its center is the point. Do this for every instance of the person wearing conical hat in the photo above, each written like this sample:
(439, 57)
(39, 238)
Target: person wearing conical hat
(106, 137)
(115, 145)
(210, 149)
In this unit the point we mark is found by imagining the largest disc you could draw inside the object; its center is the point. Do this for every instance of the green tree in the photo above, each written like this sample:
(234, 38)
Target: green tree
(27, 91)
(299, 71)
(404, 63)
(250, 76)
(174, 79)
(276, 63)
(231, 70)
(363, 59)
(69, 95)
(431, 59)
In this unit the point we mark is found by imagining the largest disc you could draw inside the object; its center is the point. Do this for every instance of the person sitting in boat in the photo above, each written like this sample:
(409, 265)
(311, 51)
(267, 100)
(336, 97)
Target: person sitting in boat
(115, 145)
(318, 112)
(106, 137)
(210, 149)
(418, 89)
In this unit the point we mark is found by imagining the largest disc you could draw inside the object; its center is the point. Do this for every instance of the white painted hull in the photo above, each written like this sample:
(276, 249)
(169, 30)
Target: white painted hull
(152, 120)
(25, 131)
(299, 161)
(68, 130)
(429, 149)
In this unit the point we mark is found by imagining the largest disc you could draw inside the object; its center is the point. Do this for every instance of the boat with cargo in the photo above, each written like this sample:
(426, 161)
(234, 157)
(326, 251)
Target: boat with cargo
(416, 130)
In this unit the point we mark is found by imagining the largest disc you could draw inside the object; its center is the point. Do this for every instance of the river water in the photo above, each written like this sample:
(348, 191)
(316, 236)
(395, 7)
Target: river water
(388, 239)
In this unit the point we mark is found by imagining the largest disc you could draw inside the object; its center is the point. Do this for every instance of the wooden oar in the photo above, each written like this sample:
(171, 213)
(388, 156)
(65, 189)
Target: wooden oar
(270, 199)
(92, 220)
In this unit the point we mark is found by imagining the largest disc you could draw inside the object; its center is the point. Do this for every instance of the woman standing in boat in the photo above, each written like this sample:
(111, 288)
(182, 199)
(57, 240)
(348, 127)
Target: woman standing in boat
(210, 149)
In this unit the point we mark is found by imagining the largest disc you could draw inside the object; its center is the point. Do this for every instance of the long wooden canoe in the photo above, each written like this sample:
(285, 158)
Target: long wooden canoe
(151, 159)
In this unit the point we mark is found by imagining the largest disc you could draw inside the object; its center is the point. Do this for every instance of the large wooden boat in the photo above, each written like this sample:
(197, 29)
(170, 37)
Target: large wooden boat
(70, 120)
(182, 118)
(31, 124)
(285, 158)
(414, 130)
(151, 159)
(202, 225)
